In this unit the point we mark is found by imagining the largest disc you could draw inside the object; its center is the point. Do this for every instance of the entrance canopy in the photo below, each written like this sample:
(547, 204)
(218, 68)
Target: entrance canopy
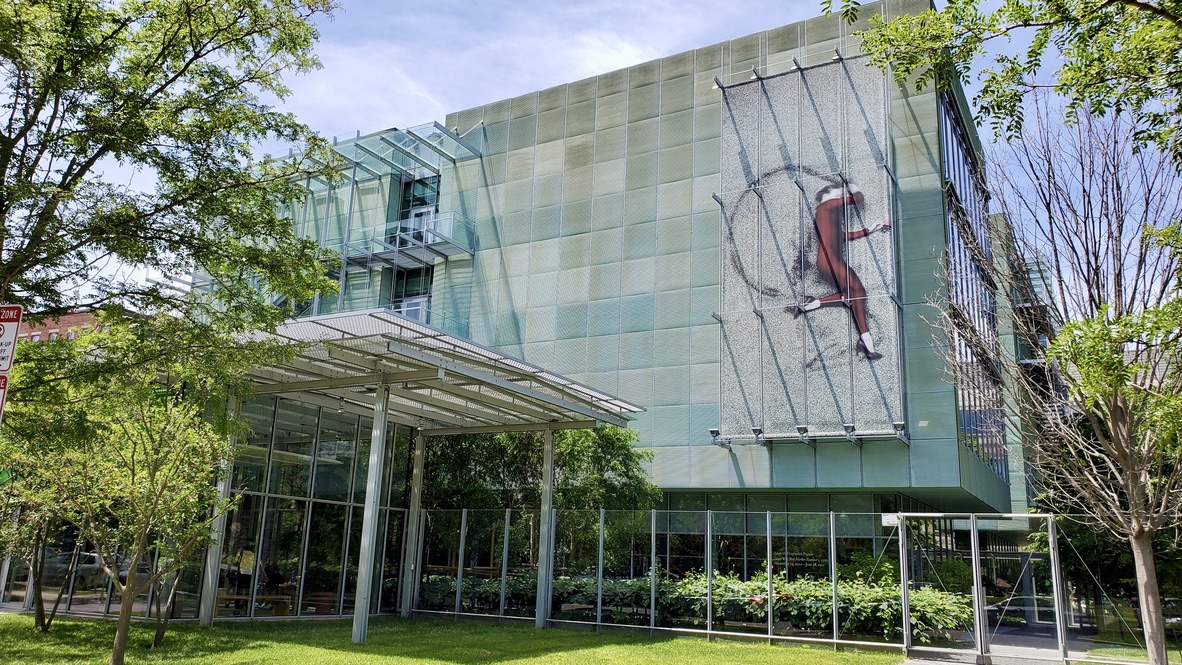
(438, 382)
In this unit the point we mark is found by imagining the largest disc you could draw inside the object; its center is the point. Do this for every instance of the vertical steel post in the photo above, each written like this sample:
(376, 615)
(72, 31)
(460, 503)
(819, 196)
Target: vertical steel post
(905, 582)
(1057, 588)
(546, 535)
(460, 559)
(207, 606)
(599, 574)
(652, 573)
(410, 557)
(505, 559)
(833, 571)
(980, 619)
(709, 572)
(771, 587)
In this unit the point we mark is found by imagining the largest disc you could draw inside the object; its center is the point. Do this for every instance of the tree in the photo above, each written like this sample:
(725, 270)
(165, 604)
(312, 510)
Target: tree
(172, 91)
(598, 468)
(125, 443)
(1091, 242)
(1100, 55)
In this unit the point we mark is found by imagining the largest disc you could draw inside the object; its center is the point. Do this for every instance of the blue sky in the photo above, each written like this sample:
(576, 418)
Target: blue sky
(400, 64)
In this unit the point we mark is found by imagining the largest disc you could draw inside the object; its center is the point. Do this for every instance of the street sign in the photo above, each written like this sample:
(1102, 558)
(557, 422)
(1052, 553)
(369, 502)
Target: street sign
(10, 322)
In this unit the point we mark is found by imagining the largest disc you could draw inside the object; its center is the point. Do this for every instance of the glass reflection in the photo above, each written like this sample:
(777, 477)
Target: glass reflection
(291, 454)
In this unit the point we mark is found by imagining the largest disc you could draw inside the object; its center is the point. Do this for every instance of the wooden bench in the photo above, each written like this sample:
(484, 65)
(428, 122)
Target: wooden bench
(280, 603)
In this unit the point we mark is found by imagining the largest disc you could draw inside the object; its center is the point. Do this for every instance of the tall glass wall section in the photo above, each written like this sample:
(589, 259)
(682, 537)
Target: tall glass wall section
(291, 545)
(972, 295)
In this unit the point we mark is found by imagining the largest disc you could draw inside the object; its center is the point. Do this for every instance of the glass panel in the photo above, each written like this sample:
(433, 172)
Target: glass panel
(364, 435)
(250, 458)
(239, 560)
(939, 563)
(283, 552)
(336, 446)
(739, 587)
(1019, 604)
(18, 582)
(521, 587)
(59, 558)
(392, 561)
(188, 593)
(441, 550)
(576, 557)
(291, 457)
(627, 560)
(803, 601)
(142, 570)
(353, 560)
(681, 553)
(870, 601)
(483, 553)
(322, 574)
(90, 585)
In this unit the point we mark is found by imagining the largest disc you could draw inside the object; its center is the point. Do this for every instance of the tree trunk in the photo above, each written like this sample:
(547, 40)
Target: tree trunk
(165, 613)
(1147, 591)
(67, 584)
(123, 625)
(36, 570)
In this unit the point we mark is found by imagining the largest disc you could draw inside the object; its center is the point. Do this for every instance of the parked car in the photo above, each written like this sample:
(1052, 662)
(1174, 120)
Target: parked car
(88, 575)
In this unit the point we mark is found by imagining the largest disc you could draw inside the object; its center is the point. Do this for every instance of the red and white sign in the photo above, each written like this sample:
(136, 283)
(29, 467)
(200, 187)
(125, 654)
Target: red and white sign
(10, 322)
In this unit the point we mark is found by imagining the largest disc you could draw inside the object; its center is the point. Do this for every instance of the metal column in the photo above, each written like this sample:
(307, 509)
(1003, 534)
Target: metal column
(207, 607)
(771, 579)
(980, 618)
(905, 582)
(370, 515)
(833, 572)
(546, 535)
(709, 554)
(410, 557)
(460, 561)
(1057, 588)
(599, 574)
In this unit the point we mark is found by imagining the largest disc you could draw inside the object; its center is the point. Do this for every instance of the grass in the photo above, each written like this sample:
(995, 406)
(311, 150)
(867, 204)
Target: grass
(394, 641)
(1123, 646)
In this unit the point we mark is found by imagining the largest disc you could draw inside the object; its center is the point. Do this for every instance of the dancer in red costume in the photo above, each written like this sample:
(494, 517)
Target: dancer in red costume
(831, 238)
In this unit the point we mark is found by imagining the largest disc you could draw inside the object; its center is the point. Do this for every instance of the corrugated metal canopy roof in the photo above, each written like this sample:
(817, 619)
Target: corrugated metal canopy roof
(439, 382)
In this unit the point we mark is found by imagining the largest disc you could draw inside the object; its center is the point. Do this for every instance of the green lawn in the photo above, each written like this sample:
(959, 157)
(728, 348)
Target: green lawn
(394, 641)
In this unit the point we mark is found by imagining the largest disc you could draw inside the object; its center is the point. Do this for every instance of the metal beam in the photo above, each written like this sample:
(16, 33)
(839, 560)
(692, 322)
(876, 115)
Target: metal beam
(347, 381)
(403, 151)
(522, 427)
(370, 516)
(481, 398)
(400, 348)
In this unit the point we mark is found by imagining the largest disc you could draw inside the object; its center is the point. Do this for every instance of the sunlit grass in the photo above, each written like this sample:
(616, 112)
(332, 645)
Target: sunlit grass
(394, 641)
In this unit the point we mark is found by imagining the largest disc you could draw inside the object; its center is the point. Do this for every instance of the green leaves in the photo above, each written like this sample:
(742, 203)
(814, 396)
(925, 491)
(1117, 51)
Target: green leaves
(1103, 56)
(172, 90)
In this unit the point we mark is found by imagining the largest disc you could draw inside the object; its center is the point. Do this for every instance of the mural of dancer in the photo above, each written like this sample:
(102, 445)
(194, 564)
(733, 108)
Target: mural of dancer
(831, 239)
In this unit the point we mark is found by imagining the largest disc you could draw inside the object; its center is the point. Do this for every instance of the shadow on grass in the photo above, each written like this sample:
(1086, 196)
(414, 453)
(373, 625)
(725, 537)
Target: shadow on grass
(89, 641)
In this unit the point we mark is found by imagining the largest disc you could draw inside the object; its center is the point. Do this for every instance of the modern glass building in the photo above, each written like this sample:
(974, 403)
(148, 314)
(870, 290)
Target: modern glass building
(736, 250)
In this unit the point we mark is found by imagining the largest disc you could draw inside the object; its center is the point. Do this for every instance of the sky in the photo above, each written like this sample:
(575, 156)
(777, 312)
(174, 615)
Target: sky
(400, 64)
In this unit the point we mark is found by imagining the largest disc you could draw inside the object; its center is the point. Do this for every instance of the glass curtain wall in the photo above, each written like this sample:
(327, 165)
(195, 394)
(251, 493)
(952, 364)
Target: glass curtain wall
(293, 549)
(793, 573)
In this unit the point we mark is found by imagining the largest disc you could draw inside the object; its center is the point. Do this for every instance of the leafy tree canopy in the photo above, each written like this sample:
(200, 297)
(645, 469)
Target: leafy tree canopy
(1101, 55)
(172, 91)
(594, 469)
